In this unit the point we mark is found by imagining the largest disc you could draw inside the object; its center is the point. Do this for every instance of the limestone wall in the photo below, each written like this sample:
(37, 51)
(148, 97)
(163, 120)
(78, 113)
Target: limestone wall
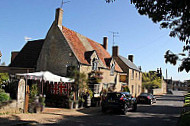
(135, 82)
(54, 52)
(9, 107)
(107, 78)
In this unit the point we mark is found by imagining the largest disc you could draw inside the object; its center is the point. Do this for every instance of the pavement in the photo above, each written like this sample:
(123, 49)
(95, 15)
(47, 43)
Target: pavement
(165, 112)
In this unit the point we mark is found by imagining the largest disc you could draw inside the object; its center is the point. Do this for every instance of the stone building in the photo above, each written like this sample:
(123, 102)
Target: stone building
(134, 74)
(63, 50)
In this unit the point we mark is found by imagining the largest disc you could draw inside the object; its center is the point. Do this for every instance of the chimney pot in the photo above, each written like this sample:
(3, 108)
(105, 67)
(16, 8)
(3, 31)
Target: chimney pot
(115, 51)
(130, 57)
(59, 17)
(105, 43)
(13, 55)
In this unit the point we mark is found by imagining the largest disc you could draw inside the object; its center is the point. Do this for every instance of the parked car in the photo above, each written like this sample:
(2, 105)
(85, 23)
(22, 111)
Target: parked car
(121, 101)
(146, 98)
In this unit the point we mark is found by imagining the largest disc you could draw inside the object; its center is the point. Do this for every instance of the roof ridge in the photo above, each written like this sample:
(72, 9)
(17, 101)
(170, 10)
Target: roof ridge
(82, 35)
(129, 65)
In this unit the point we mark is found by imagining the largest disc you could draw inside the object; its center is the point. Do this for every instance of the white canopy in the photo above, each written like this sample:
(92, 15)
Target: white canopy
(46, 76)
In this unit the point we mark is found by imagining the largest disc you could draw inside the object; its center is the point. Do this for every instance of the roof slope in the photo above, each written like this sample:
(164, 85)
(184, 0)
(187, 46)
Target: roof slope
(129, 63)
(28, 56)
(81, 44)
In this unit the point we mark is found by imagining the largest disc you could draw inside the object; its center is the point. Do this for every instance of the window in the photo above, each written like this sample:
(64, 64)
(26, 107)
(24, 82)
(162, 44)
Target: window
(132, 88)
(94, 64)
(139, 89)
(132, 75)
(112, 69)
(139, 75)
(105, 86)
(96, 88)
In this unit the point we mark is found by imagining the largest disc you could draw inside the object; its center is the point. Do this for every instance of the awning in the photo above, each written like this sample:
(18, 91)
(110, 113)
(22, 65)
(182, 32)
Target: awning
(46, 76)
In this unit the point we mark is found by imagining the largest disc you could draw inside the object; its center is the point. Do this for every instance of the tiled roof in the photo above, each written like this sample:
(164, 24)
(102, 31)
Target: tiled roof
(82, 46)
(28, 56)
(129, 63)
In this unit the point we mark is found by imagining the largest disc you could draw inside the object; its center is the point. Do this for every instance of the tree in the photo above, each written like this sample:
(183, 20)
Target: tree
(173, 15)
(3, 77)
(151, 80)
(80, 81)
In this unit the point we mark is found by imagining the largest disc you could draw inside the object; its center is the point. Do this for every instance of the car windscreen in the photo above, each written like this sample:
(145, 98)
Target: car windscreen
(114, 95)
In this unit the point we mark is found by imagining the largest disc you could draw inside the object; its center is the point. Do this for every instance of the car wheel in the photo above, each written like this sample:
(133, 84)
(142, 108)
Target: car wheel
(104, 109)
(125, 109)
(134, 107)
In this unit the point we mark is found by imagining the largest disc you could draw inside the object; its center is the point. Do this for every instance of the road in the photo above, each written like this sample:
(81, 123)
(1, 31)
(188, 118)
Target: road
(165, 112)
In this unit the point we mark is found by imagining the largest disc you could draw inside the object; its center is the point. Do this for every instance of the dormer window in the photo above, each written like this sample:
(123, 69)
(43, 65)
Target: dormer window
(94, 64)
(112, 69)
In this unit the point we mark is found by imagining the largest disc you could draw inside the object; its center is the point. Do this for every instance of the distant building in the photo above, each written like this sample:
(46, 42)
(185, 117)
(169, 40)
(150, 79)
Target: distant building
(177, 85)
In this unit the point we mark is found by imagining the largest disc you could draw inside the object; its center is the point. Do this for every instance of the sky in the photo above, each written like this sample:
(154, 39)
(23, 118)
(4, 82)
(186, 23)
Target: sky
(138, 35)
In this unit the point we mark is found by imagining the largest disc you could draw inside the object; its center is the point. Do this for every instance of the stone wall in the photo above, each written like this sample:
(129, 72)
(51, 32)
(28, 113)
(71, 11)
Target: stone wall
(54, 52)
(9, 107)
(107, 78)
(162, 90)
(135, 82)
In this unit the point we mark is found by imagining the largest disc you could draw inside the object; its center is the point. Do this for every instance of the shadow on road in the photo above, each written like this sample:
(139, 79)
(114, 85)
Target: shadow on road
(14, 120)
(146, 115)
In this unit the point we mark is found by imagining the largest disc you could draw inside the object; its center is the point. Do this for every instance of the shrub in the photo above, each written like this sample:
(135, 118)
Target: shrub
(4, 97)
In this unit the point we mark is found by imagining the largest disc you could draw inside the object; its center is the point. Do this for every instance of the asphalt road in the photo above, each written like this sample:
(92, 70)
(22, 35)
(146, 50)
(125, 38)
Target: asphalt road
(165, 112)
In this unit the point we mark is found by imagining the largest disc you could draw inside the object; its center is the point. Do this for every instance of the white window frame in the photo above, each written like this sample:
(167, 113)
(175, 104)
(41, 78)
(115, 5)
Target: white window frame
(112, 69)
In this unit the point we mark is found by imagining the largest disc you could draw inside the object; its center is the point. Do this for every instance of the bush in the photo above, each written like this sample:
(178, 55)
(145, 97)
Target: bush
(4, 97)
(12, 88)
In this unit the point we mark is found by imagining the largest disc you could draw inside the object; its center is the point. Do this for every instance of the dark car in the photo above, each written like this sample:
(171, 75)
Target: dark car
(121, 101)
(146, 98)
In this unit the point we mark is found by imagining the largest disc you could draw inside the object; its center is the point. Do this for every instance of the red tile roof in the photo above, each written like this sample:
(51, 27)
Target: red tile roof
(81, 44)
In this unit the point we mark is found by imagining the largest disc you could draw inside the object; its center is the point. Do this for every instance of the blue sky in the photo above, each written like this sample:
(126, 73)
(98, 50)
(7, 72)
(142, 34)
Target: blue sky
(94, 19)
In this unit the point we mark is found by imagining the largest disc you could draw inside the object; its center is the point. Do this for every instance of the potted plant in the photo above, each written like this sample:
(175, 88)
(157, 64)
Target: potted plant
(76, 103)
(42, 102)
(82, 102)
(71, 100)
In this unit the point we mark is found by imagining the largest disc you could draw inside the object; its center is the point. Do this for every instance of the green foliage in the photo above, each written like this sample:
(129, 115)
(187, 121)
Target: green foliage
(90, 93)
(95, 77)
(80, 81)
(3, 77)
(4, 97)
(42, 100)
(187, 99)
(126, 89)
(34, 91)
(71, 97)
(150, 80)
(12, 88)
(173, 15)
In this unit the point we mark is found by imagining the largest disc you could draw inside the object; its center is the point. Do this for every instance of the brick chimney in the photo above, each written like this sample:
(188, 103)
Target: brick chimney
(115, 51)
(59, 17)
(13, 55)
(130, 57)
(105, 43)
